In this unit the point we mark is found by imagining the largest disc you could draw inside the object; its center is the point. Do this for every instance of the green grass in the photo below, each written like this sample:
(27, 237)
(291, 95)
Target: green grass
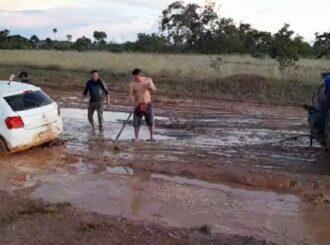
(225, 76)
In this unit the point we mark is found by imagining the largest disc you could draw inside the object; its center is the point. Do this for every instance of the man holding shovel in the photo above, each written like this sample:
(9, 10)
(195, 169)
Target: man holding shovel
(98, 93)
(140, 89)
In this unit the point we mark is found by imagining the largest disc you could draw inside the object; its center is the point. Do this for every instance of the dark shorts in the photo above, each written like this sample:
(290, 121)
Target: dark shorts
(148, 116)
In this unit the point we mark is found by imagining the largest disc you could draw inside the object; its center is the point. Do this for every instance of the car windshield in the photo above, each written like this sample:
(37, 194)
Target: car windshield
(28, 100)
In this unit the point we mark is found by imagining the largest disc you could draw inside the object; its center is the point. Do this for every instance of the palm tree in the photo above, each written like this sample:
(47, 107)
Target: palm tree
(54, 31)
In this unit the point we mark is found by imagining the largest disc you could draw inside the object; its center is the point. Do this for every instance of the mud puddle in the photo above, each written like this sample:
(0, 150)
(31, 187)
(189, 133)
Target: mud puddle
(244, 140)
(229, 131)
(175, 201)
(80, 136)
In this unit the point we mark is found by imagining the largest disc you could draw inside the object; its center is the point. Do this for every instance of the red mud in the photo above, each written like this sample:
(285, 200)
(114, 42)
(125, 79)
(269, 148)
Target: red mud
(215, 162)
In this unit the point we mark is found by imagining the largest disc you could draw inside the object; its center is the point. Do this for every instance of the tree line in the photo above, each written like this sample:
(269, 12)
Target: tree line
(190, 28)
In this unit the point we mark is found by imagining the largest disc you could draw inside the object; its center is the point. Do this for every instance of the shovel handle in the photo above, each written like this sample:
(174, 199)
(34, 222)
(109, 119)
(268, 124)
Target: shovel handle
(122, 128)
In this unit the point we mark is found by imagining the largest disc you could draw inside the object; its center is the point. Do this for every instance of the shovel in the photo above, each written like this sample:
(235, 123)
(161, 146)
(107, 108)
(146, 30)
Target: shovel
(115, 147)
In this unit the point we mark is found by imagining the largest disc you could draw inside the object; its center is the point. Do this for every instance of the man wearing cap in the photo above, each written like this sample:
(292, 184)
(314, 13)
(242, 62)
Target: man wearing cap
(98, 93)
(140, 90)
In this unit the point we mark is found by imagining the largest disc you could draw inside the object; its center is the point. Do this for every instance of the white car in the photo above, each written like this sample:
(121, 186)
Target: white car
(28, 117)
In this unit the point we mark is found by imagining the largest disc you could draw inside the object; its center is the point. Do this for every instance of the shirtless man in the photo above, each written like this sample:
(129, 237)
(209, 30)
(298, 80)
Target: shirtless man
(140, 89)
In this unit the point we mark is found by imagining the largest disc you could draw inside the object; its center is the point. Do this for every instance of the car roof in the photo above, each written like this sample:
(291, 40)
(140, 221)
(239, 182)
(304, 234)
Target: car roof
(7, 89)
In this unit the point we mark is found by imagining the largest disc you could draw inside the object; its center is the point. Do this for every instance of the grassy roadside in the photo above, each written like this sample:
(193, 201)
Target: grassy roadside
(225, 77)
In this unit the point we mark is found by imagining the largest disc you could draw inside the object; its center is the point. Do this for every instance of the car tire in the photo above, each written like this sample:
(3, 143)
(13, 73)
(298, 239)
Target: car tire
(3, 146)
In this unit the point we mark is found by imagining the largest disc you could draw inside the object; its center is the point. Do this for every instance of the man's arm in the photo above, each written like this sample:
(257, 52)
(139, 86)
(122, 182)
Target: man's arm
(131, 94)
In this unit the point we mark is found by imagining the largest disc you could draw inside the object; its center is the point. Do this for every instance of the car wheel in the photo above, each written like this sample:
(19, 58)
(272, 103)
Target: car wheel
(3, 146)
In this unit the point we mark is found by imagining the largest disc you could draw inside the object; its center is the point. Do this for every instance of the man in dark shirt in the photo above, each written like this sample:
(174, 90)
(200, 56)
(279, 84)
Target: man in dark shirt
(98, 93)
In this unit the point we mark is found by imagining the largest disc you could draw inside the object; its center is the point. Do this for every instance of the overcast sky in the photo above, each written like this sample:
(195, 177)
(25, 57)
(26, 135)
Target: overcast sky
(123, 20)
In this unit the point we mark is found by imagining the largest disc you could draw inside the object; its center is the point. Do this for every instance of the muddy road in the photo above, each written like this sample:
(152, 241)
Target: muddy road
(232, 166)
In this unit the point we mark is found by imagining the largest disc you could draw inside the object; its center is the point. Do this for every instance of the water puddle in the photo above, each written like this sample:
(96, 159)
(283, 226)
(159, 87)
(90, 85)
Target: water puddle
(109, 116)
(236, 136)
(80, 136)
(248, 137)
(236, 143)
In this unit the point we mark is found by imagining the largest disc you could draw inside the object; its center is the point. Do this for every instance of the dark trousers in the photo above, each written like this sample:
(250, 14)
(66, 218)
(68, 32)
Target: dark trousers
(92, 107)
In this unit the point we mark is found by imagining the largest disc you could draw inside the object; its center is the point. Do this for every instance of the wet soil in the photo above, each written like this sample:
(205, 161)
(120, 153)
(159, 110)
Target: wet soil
(35, 222)
(236, 167)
